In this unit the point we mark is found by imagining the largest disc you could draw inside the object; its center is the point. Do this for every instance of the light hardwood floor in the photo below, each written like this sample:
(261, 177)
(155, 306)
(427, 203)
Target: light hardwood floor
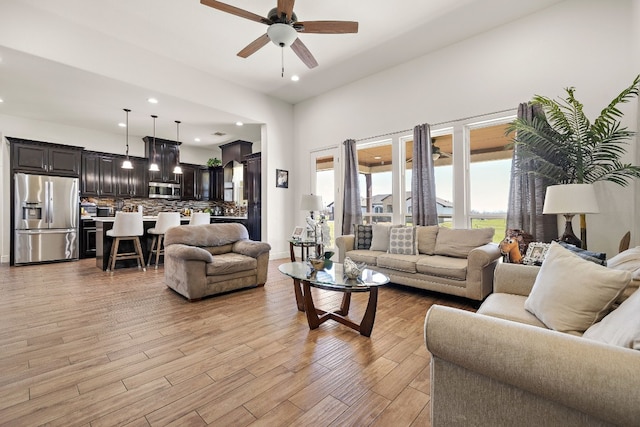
(80, 347)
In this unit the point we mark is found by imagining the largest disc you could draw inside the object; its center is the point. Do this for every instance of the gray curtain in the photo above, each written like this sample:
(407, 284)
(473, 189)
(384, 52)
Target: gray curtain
(526, 194)
(423, 184)
(351, 209)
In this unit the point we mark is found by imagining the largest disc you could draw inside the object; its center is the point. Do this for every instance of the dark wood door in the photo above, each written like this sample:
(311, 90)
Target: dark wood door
(138, 183)
(107, 176)
(170, 155)
(90, 174)
(254, 203)
(30, 158)
(63, 161)
(216, 179)
(189, 181)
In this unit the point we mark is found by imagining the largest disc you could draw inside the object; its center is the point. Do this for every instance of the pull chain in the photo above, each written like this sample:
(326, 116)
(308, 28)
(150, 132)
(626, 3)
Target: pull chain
(282, 60)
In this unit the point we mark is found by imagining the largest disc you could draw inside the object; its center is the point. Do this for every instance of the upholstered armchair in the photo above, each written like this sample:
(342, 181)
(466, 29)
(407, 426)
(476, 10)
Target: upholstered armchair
(209, 259)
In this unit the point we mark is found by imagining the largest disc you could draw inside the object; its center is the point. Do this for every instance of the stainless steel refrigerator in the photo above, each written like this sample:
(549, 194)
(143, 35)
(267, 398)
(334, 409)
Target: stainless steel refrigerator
(46, 218)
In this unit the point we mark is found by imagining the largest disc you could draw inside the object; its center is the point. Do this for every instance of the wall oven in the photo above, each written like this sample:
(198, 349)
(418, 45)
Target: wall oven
(164, 190)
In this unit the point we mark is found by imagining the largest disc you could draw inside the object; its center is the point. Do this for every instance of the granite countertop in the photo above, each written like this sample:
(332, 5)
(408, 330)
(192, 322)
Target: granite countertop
(151, 218)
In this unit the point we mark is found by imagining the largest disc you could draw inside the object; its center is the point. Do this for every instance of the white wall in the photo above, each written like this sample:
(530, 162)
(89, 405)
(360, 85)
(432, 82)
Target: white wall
(581, 43)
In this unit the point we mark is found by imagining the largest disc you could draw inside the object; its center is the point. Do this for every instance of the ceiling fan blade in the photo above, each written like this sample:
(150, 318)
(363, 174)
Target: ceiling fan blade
(236, 11)
(326, 27)
(254, 46)
(303, 53)
(285, 7)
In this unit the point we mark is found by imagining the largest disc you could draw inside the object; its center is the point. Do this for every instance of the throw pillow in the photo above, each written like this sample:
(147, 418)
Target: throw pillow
(459, 242)
(628, 260)
(621, 327)
(536, 252)
(363, 234)
(570, 294)
(426, 236)
(380, 237)
(597, 257)
(402, 241)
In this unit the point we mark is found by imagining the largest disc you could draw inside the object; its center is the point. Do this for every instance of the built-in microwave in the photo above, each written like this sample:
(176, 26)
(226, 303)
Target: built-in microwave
(164, 190)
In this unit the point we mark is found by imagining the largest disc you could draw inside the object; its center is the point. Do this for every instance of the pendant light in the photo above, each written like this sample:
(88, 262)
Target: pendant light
(153, 167)
(126, 164)
(178, 169)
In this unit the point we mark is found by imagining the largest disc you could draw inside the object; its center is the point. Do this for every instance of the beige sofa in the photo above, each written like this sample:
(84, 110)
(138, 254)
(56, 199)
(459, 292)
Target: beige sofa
(456, 262)
(502, 367)
(203, 260)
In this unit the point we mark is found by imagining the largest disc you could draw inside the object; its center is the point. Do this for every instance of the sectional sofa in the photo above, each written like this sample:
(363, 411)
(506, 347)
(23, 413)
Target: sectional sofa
(452, 261)
(522, 360)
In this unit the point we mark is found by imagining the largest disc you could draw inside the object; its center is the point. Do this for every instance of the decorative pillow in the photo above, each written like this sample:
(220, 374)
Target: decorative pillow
(621, 327)
(570, 294)
(426, 236)
(459, 242)
(536, 253)
(402, 240)
(380, 237)
(597, 257)
(363, 235)
(628, 260)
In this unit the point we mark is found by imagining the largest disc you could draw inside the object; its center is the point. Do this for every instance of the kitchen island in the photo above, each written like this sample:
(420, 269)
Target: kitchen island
(103, 242)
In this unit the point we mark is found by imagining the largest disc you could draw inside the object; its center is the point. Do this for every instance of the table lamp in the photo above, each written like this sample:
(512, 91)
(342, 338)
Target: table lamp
(568, 200)
(311, 203)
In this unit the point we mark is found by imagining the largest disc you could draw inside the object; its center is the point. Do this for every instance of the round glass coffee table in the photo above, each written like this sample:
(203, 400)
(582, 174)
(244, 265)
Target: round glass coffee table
(332, 278)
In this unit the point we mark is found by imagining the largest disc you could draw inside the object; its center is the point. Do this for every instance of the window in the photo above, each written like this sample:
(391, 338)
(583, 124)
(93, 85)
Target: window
(324, 182)
(472, 161)
(375, 164)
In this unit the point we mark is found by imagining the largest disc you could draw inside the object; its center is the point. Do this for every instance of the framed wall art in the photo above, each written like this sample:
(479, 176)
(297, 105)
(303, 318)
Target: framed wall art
(282, 178)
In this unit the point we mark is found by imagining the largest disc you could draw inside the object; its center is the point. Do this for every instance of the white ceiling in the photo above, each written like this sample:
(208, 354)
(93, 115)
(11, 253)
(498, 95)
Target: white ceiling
(202, 38)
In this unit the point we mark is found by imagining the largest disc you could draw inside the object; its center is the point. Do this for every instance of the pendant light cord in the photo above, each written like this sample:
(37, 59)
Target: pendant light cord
(154, 138)
(127, 111)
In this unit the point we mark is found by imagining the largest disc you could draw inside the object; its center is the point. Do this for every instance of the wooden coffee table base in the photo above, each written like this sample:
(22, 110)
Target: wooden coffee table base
(316, 316)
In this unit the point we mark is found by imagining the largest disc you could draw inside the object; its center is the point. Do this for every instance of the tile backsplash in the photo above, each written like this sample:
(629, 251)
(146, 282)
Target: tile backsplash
(155, 206)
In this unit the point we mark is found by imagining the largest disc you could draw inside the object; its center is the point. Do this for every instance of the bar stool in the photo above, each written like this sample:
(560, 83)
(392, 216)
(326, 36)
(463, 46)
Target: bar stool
(200, 218)
(127, 226)
(165, 221)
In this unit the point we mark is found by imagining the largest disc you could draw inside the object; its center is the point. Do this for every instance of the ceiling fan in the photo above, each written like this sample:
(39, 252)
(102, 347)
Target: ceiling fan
(284, 28)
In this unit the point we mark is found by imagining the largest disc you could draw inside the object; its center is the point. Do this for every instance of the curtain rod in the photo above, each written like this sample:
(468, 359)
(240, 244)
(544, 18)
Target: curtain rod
(437, 124)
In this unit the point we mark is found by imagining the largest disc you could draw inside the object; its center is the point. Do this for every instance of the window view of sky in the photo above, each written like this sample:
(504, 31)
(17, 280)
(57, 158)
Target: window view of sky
(489, 184)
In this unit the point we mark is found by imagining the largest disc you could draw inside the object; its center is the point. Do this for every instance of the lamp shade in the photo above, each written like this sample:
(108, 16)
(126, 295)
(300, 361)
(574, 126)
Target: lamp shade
(570, 199)
(311, 202)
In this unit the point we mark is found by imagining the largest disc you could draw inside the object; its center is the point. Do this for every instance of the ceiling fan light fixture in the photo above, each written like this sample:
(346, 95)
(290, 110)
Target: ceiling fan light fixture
(282, 35)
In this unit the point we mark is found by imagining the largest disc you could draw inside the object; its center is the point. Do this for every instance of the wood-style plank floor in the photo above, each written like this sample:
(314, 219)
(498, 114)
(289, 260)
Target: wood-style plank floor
(81, 347)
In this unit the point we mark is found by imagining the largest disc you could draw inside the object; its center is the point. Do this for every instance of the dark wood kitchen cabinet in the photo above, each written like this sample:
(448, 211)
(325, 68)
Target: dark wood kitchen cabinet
(253, 184)
(216, 183)
(99, 174)
(195, 182)
(167, 156)
(45, 158)
(87, 238)
(132, 182)
(189, 180)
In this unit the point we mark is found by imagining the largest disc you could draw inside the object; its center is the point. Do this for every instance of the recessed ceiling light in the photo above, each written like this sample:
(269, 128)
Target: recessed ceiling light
(122, 125)
(197, 139)
(239, 123)
(1, 100)
(152, 100)
(295, 78)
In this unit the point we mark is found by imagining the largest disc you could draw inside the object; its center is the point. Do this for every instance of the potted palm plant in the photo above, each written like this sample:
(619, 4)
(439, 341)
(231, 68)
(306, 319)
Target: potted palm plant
(561, 144)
